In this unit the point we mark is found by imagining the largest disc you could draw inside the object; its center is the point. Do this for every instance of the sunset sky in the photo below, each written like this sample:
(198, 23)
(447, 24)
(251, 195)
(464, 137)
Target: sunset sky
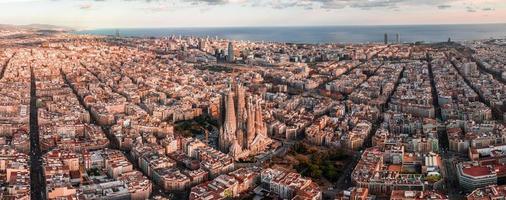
(89, 14)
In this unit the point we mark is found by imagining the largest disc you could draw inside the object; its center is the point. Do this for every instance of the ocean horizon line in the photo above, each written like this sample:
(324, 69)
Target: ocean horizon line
(325, 34)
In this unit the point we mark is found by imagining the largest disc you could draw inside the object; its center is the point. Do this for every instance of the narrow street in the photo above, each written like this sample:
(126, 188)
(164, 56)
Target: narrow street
(113, 145)
(497, 76)
(448, 167)
(496, 115)
(2, 70)
(368, 140)
(37, 181)
(443, 137)
(93, 120)
(452, 183)
(322, 85)
(344, 181)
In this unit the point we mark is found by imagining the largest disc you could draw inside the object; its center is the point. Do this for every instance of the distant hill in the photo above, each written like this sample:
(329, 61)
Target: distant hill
(36, 27)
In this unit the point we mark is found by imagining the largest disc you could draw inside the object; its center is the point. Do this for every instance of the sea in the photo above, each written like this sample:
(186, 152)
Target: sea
(325, 34)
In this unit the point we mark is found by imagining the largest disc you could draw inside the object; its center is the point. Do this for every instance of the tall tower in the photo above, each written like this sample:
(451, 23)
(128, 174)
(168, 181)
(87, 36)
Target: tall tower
(241, 113)
(240, 138)
(230, 57)
(230, 123)
(386, 38)
(202, 44)
(250, 122)
(240, 104)
(398, 38)
(259, 119)
(230, 119)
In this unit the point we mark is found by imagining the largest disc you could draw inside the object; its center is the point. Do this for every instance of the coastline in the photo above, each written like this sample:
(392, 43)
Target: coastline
(323, 34)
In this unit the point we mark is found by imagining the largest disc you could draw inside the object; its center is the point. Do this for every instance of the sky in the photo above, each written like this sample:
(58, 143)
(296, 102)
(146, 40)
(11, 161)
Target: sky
(92, 14)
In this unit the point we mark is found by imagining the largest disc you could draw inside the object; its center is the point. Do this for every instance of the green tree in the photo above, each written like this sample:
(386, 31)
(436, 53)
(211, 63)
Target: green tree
(433, 178)
(300, 148)
(315, 171)
(228, 194)
(330, 172)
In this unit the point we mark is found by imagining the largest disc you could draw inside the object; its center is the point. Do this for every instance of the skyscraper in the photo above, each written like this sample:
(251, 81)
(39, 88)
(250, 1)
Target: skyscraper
(230, 57)
(202, 44)
(398, 38)
(386, 38)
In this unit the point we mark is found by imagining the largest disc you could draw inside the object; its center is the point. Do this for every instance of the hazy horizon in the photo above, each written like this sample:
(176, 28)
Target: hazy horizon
(323, 34)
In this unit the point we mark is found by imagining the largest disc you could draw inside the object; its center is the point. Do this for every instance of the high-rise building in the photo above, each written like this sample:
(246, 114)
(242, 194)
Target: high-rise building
(386, 38)
(202, 44)
(230, 56)
(398, 38)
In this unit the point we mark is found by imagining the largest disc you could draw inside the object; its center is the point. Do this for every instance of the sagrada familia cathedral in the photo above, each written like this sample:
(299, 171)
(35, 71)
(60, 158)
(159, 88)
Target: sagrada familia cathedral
(244, 131)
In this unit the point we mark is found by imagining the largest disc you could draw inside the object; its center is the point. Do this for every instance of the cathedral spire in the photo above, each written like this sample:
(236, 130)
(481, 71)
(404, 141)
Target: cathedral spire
(259, 120)
(240, 104)
(230, 123)
(250, 122)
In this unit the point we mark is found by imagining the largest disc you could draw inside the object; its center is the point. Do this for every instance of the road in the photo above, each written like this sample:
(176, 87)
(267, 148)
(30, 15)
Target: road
(157, 191)
(442, 135)
(452, 186)
(344, 181)
(37, 181)
(495, 113)
(279, 152)
(2, 70)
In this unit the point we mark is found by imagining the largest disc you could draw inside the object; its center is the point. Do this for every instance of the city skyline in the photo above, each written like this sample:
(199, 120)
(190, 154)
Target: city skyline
(296, 113)
(91, 14)
(253, 99)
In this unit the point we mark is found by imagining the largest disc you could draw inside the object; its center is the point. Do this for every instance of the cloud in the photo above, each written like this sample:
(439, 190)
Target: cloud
(392, 5)
(210, 2)
(192, 2)
(86, 6)
(326, 4)
(159, 8)
(359, 4)
(215, 2)
(340, 4)
(442, 7)
(278, 4)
